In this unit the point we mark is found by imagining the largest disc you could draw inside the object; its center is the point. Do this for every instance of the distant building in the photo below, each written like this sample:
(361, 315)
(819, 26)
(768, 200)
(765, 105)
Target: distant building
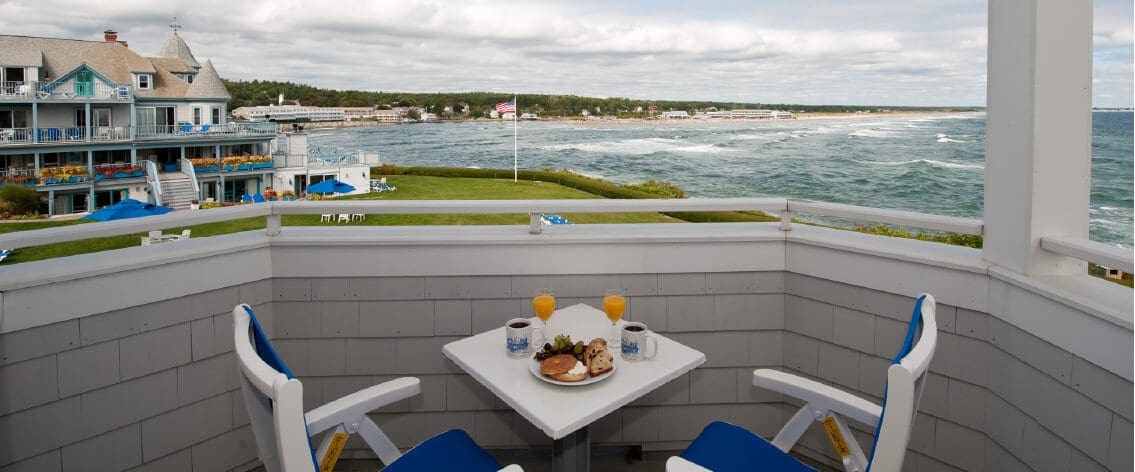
(751, 114)
(676, 114)
(285, 113)
(388, 116)
(358, 113)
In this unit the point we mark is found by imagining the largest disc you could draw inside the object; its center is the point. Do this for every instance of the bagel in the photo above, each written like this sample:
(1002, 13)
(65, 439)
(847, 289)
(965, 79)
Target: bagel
(566, 377)
(557, 364)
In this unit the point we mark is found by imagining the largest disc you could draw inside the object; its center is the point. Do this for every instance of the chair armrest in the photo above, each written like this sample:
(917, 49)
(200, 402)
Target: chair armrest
(678, 464)
(511, 468)
(360, 403)
(818, 395)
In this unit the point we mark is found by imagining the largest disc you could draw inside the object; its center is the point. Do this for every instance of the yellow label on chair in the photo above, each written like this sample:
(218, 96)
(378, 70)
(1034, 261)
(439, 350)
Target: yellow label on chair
(337, 442)
(836, 437)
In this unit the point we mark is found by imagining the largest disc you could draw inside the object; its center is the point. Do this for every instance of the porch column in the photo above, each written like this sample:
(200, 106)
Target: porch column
(133, 156)
(35, 128)
(51, 203)
(1038, 132)
(91, 165)
(221, 173)
(133, 119)
(87, 110)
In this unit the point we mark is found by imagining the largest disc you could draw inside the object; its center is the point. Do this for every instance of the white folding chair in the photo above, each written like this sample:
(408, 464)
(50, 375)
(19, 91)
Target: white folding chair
(725, 447)
(358, 216)
(325, 217)
(274, 399)
(344, 218)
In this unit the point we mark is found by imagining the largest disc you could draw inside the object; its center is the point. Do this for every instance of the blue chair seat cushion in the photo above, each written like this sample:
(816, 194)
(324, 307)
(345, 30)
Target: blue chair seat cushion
(451, 450)
(724, 447)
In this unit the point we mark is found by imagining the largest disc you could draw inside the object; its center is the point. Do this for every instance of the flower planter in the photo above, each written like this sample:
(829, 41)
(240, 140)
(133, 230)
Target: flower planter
(205, 169)
(170, 168)
(229, 168)
(136, 173)
(244, 167)
(121, 175)
(100, 177)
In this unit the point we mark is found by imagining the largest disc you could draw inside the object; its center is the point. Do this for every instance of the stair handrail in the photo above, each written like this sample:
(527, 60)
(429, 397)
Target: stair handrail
(187, 169)
(153, 181)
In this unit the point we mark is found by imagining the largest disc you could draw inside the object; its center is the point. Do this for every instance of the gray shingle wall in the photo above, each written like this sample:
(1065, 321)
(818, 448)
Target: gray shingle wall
(997, 398)
(157, 384)
(151, 387)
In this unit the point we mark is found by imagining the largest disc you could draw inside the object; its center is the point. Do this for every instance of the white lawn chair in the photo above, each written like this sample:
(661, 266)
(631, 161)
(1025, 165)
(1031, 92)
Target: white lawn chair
(325, 217)
(274, 400)
(344, 218)
(725, 447)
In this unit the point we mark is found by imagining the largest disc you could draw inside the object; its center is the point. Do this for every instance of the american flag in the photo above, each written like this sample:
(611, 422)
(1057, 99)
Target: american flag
(506, 107)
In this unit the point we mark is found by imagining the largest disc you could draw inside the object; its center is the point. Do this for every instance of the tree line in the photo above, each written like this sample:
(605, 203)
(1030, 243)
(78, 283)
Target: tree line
(479, 104)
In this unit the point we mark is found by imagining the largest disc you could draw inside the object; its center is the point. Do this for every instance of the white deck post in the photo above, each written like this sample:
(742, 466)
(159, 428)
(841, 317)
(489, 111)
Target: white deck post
(1038, 144)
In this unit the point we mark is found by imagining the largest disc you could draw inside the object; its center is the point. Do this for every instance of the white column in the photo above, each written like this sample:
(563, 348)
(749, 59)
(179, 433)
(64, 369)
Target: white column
(1038, 132)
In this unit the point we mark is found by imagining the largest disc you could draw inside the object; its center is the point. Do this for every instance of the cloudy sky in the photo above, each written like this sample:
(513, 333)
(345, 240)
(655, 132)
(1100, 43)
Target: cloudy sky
(884, 52)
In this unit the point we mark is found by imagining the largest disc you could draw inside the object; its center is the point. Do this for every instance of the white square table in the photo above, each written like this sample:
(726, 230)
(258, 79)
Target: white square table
(564, 412)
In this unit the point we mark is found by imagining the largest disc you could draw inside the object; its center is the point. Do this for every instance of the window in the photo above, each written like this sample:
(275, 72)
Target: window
(216, 115)
(196, 115)
(143, 81)
(14, 118)
(189, 78)
(99, 117)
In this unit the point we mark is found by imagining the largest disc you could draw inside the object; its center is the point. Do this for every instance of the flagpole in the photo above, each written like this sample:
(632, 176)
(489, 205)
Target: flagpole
(515, 160)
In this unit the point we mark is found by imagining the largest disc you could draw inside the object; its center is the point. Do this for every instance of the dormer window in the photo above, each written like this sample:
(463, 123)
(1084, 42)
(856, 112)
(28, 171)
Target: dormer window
(143, 81)
(189, 78)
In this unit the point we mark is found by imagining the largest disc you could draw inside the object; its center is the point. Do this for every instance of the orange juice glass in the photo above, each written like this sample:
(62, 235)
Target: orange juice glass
(544, 303)
(614, 304)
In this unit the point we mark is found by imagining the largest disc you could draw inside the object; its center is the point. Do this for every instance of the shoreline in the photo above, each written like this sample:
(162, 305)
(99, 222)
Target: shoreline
(324, 125)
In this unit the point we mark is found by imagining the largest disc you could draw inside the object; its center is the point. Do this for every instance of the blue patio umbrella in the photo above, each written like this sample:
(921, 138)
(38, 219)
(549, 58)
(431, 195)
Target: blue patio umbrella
(128, 208)
(331, 186)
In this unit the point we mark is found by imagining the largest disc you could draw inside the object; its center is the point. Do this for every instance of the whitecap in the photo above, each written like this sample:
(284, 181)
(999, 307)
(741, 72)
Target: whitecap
(871, 133)
(946, 165)
(639, 146)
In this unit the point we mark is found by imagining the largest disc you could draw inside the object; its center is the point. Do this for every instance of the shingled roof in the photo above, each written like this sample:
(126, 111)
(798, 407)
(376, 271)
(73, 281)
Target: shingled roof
(176, 48)
(57, 57)
(208, 84)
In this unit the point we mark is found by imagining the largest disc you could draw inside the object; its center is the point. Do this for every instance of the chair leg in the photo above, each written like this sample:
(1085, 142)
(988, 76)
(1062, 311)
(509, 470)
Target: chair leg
(382, 446)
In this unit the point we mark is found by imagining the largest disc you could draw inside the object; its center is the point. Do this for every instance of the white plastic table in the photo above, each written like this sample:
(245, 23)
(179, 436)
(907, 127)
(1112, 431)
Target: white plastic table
(564, 412)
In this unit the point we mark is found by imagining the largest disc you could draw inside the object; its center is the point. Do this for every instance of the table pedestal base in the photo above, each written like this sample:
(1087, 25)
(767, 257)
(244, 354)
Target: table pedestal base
(572, 453)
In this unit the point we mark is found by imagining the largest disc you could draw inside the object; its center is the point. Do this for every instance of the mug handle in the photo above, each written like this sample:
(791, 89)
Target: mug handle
(532, 339)
(648, 354)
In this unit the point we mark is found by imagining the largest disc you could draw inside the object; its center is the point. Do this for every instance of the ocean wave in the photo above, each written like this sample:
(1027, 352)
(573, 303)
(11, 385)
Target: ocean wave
(944, 138)
(932, 162)
(640, 146)
(872, 133)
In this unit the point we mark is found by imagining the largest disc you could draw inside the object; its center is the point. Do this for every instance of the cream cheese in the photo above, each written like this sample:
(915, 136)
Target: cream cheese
(578, 369)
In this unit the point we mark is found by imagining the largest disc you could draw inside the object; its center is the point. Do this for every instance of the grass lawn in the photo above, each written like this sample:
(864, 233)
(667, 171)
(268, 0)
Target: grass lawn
(409, 188)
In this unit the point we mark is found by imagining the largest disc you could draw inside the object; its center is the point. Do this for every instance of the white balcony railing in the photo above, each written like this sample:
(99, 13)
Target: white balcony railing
(1086, 250)
(69, 90)
(65, 134)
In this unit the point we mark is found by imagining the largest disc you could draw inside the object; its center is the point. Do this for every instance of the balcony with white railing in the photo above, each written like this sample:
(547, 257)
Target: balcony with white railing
(64, 91)
(1017, 354)
(56, 135)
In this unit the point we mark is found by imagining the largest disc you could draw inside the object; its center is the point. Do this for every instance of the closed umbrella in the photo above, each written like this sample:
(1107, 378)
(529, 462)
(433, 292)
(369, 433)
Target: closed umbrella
(331, 186)
(129, 208)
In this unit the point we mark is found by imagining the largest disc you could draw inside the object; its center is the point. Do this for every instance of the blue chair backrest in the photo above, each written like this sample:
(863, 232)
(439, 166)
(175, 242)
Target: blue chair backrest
(268, 354)
(913, 337)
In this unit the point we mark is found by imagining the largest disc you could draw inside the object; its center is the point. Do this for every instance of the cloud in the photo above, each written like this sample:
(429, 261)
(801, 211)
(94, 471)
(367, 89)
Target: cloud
(918, 52)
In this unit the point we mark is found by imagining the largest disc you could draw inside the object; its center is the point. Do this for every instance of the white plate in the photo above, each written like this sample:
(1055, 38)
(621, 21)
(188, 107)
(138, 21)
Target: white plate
(534, 368)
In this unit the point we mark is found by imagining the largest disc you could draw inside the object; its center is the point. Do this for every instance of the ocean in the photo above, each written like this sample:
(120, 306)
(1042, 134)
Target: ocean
(932, 163)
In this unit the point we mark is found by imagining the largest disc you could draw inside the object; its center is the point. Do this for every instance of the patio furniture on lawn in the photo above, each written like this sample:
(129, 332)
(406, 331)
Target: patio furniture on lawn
(344, 218)
(358, 216)
(564, 412)
(326, 217)
(128, 208)
(725, 447)
(258, 198)
(331, 186)
(273, 398)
